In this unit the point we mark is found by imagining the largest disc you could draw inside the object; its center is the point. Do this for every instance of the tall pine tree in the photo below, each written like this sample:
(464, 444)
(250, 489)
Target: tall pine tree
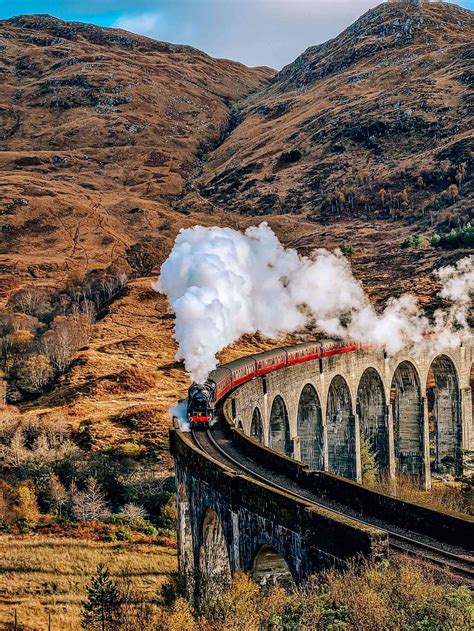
(101, 609)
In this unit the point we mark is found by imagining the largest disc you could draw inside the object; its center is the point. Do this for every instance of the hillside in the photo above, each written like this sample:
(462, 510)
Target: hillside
(375, 123)
(98, 128)
(109, 138)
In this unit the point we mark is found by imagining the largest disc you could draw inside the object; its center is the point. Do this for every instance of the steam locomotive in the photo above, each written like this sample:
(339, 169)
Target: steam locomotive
(202, 398)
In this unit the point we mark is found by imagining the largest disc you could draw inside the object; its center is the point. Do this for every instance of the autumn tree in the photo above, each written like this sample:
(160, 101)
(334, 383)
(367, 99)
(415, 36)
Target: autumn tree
(340, 199)
(26, 506)
(382, 195)
(453, 192)
(34, 373)
(58, 495)
(21, 342)
(142, 258)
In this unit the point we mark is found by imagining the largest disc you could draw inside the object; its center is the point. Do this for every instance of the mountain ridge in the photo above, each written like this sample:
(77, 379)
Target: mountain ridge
(104, 146)
(389, 117)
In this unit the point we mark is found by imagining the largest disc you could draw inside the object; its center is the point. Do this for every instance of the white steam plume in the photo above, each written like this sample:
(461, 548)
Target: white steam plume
(222, 284)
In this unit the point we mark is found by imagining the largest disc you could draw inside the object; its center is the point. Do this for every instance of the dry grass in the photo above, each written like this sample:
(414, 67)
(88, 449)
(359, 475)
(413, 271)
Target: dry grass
(398, 596)
(42, 575)
(453, 496)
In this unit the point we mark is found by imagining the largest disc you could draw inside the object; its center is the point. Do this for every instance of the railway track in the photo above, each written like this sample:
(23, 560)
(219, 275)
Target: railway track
(456, 564)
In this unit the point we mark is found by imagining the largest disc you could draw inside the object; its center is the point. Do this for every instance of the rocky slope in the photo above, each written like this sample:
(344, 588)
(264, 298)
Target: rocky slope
(98, 127)
(109, 138)
(376, 122)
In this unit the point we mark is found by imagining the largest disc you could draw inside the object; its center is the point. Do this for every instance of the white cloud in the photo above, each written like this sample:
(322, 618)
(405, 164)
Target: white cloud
(150, 24)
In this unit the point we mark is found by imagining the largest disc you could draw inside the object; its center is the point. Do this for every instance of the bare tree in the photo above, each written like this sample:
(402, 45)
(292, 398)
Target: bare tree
(142, 258)
(14, 452)
(67, 335)
(34, 373)
(29, 300)
(90, 503)
(133, 510)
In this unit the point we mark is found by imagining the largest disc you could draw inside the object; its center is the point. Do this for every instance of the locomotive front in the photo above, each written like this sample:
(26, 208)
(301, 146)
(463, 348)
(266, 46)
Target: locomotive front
(200, 405)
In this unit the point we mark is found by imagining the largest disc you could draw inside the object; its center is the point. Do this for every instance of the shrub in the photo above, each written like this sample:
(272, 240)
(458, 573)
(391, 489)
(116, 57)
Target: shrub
(368, 462)
(289, 157)
(457, 238)
(129, 450)
(168, 514)
(143, 525)
(118, 519)
(400, 595)
(123, 534)
(347, 249)
(415, 241)
(139, 524)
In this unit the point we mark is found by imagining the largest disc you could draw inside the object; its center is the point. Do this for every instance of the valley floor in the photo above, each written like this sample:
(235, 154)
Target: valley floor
(47, 575)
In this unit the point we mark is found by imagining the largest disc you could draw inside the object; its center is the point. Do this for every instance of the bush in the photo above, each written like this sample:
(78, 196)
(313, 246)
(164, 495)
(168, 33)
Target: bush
(118, 519)
(401, 595)
(143, 525)
(289, 157)
(139, 524)
(415, 241)
(129, 450)
(368, 463)
(457, 238)
(123, 534)
(347, 249)
(168, 514)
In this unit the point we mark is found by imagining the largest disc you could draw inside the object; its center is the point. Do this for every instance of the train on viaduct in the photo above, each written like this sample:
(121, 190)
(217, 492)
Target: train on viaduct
(275, 488)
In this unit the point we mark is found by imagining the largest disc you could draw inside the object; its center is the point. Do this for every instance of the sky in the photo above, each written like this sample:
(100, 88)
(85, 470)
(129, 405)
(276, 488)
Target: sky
(255, 32)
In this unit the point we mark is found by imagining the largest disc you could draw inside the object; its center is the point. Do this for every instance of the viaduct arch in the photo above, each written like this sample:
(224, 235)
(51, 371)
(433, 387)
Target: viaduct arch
(413, 412)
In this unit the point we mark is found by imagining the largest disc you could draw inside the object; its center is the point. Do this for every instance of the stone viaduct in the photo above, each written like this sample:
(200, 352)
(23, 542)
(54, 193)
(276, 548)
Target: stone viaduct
(412, 412)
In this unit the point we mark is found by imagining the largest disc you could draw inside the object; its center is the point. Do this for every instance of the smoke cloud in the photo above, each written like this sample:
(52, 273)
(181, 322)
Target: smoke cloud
(222, 284)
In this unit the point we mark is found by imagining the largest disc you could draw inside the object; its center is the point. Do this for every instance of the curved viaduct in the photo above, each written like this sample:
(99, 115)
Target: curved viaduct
(413, 412)
(274, 490)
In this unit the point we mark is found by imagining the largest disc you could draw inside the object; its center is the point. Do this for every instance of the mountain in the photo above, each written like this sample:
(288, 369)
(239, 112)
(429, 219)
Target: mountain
(109, 138)
(98, 127)
(377, 122)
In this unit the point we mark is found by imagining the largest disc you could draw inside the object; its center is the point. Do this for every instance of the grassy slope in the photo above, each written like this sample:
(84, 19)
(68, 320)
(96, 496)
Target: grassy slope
(42, 575)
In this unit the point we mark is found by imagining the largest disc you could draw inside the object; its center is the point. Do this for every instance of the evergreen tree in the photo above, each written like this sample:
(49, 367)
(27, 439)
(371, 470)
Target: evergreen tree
(101, 609)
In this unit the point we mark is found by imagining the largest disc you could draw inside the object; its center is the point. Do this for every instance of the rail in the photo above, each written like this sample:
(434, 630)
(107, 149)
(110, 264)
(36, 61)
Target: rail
(458, 564)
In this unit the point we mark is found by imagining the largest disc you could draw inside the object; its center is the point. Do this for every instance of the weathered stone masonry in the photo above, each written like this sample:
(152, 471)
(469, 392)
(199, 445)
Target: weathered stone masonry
(414, 411)
(228, 522)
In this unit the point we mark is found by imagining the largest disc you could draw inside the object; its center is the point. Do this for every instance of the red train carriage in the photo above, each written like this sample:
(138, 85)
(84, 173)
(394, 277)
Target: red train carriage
(203, 397)
(303, 353)
(269, 361)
